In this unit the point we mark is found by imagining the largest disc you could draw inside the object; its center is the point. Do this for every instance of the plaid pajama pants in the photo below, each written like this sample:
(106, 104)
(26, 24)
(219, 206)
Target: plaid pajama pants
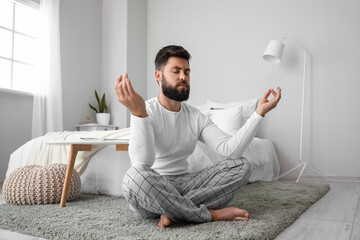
(185, 197)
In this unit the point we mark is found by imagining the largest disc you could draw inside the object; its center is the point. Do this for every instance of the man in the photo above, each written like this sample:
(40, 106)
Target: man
(164, 132)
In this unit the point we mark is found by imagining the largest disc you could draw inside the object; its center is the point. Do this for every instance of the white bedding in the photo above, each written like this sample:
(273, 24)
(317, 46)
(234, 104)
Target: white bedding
(106, 168)
(260, 153)
(37, 152)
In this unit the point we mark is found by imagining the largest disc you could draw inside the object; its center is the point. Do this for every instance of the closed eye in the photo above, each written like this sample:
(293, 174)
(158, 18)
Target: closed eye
(177, 70)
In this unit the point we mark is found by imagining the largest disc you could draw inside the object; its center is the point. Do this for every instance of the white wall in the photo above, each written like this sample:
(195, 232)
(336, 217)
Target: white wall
(99, 41)
(80, 39)
(227, 39)
(123, 50)
(113, 54)
(136, 45)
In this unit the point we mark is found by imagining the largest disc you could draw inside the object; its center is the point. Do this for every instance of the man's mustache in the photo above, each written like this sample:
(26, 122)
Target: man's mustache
(183, 83)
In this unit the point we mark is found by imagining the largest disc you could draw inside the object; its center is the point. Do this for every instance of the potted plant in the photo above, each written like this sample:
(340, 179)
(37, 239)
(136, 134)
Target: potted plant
(102, 114)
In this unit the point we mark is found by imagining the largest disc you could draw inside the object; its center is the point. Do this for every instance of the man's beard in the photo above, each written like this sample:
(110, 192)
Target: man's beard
(172, 92)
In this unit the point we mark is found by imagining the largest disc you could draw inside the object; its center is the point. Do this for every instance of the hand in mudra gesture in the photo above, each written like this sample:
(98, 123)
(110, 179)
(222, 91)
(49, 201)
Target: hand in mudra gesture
(264, 105)
(128, 97)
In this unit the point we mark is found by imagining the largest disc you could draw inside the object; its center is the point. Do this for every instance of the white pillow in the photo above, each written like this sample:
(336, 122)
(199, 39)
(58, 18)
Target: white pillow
(248, 107)
(203, 108)
(228, 120)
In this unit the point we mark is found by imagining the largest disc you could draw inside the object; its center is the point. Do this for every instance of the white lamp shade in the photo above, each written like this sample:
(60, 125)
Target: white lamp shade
(274, 51)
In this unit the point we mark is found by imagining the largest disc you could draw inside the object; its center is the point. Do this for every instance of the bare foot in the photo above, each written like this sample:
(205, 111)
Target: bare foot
(229, 214)
(164, 221)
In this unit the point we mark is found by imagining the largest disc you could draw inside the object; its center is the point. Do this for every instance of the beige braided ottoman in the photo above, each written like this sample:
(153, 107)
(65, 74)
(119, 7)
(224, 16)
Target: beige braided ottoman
(39, 185)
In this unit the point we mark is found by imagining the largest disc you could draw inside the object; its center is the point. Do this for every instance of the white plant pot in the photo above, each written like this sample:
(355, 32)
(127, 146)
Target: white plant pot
(103, 118)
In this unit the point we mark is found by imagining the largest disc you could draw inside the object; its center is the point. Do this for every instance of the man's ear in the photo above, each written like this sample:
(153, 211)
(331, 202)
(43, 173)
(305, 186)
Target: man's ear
(158, 76)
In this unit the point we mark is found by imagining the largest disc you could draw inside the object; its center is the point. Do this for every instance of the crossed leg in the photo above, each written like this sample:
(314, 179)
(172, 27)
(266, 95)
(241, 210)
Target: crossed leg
(198, 197)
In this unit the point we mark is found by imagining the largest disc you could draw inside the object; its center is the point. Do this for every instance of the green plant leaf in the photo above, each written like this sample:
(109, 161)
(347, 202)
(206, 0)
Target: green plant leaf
(97, 98)
(101, 106)
(105, 105)
(93, 108)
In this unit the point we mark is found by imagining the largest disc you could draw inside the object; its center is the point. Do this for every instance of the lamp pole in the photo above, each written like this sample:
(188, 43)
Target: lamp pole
(301, 162)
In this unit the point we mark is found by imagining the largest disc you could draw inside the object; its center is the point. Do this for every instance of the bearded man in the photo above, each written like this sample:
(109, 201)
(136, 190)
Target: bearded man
(164, 132)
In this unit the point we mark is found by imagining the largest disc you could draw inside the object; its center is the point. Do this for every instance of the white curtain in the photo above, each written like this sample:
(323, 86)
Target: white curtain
(47, 109)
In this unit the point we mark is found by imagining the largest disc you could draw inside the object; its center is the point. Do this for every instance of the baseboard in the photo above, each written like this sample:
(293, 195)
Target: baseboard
(333, 178)
(317, 178)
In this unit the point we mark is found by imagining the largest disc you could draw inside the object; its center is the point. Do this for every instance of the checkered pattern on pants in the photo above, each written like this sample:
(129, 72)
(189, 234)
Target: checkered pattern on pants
(184, 197)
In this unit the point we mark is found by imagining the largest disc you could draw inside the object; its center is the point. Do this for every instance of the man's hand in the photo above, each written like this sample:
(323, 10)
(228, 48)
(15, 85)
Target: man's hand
(128, 97)
(264, 105)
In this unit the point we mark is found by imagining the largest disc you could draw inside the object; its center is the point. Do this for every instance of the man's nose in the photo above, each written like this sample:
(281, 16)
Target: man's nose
(182, 76)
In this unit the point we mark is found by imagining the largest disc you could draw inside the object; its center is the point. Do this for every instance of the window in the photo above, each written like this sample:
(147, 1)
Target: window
(19, 33)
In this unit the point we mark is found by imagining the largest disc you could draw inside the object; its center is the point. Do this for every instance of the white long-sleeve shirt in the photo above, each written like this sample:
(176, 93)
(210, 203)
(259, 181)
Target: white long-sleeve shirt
(164, 139)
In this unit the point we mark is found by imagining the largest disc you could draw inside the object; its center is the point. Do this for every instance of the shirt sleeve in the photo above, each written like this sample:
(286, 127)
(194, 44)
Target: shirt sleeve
(234, 146)
(142, 142)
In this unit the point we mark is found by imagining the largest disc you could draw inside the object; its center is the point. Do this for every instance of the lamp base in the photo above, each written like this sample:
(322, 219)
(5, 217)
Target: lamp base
(303, 165)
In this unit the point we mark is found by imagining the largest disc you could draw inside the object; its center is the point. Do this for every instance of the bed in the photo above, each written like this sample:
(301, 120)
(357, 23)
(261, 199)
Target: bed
(102, 169)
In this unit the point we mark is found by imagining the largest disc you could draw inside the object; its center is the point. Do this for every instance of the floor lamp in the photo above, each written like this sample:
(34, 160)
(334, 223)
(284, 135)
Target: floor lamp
(273, 54)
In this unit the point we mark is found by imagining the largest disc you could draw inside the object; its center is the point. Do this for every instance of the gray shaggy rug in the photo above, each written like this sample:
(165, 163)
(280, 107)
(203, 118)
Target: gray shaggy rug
(273, 206)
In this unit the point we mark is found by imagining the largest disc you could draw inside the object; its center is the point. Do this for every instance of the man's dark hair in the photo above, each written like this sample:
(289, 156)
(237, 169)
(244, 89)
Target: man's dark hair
(170, 51)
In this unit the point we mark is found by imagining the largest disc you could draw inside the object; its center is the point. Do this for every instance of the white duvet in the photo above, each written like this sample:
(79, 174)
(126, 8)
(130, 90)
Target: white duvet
(260, 153)
(37, 152)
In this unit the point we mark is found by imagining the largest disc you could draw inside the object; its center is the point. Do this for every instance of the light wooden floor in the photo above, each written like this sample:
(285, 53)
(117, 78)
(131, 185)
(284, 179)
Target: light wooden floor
(336, 216)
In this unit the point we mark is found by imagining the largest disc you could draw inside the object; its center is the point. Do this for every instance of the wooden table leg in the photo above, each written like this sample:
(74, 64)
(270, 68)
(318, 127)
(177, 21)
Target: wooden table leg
(122, 147)
(70, 168)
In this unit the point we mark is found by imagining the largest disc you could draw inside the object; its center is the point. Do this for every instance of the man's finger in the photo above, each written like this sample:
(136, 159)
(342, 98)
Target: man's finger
(279, 92)
(126, 80)
(267, 94)
(273, 92)
(117, 85)
(129, 87)
(124, 87)
(121, 90)
(117, 90)
(118, 80)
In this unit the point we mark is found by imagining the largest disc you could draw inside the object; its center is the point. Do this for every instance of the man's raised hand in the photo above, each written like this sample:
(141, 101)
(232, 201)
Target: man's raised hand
(264, 105)
(128, 97)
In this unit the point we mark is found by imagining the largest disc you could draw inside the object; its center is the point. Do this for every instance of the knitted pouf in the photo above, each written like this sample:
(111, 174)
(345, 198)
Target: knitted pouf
(35, 184)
